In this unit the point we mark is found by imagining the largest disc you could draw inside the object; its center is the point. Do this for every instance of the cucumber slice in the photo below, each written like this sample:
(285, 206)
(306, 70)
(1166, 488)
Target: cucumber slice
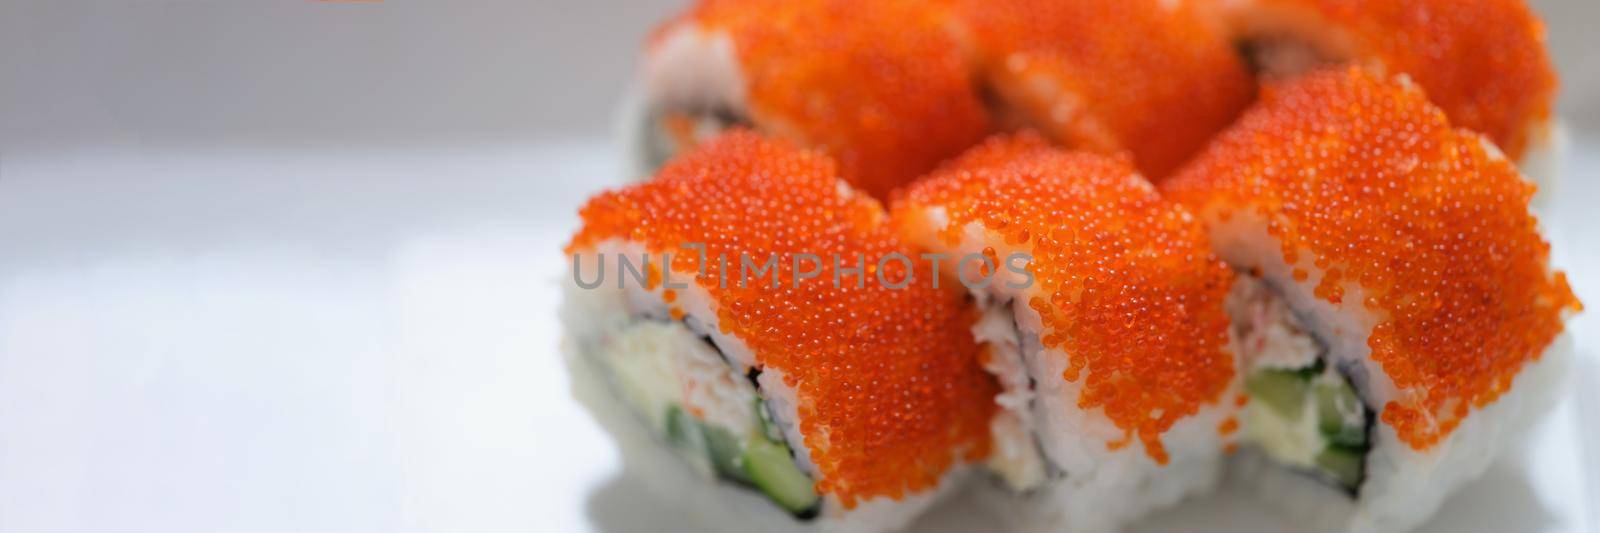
(725, 452)
(1342, 464)
(1283, 391)
(772, 470)
(684, 434)
(764, 421)
(1334, 399)
(681, 428)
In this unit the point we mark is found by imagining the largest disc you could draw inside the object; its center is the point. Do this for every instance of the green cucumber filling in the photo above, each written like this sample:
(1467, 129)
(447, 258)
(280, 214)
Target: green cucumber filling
(1310, 419)
(1303, 413)
(707, 412)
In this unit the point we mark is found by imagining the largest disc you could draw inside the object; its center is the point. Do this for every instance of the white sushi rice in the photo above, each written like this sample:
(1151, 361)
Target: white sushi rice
(1078, 483)
(596, 318)
(1403, 486)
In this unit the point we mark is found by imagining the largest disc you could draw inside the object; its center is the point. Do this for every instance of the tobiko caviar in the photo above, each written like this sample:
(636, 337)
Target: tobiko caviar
(1399, 321)
(877, 391)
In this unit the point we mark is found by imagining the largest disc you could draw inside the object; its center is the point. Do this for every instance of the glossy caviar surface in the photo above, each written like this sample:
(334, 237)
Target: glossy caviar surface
(1366, 176)
(890, 390)
(1125, 283)
(1147, 76)
(882, 86)
(1484, 62)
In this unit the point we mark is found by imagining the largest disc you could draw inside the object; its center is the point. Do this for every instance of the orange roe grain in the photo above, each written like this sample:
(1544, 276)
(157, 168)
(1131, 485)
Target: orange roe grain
(890, 390)
(1148, 76)
(1363, 173)
(882, 86)
(1229, 426)
(1484, 62)
(1125, 283)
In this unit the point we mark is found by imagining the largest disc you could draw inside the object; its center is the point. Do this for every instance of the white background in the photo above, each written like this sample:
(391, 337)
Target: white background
(282, 265)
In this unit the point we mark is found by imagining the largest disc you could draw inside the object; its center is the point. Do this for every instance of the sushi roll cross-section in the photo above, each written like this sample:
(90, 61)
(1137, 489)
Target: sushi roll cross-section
(880, 86)
(1104, 313)
(1484, 62)
(1397, 315)
(1152, 78)
(773, 345)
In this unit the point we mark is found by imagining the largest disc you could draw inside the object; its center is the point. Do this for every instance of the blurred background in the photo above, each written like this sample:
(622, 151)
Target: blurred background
(274, 265)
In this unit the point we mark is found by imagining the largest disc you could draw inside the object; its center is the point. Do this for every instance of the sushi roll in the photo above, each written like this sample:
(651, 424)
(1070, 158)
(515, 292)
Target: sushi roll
(1103, 310)
(1483, 62)
(1155, 78)
(1397, 317)
(880, 86)
(769, 344)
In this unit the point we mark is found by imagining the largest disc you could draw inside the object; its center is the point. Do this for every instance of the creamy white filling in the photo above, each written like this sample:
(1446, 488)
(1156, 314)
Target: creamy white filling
(1016, 458)
(1295, 440)
(1267, 333)
(706, 366)
(657, 365)
(1270, 337)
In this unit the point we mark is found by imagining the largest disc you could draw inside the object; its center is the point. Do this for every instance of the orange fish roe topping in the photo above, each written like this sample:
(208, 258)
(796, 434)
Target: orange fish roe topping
(889, 386)
(882, 86)
(1148, 76)
(1484, 62)
(1364, 174)
(1124, 282)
